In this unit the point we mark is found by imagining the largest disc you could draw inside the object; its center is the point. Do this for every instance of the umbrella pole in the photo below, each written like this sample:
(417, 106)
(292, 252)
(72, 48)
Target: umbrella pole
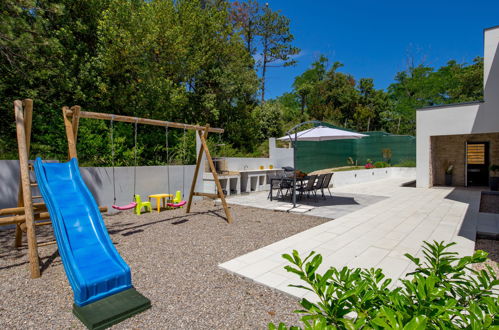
(294, 166)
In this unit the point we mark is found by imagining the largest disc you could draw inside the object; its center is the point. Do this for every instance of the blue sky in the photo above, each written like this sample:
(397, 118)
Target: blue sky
(373, 38)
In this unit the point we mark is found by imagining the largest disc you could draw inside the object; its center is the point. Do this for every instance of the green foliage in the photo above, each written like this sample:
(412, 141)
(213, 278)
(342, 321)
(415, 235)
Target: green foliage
(323, 93)
(173, 60)
(188, 61)
(421, 86)
(494, 168)
(268, 116)
(381, 164)
(444, 292)
(406, 163)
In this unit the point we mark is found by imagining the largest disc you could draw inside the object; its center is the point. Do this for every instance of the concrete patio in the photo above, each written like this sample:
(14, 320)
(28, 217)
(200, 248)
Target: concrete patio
(382, 221)
(340, 204)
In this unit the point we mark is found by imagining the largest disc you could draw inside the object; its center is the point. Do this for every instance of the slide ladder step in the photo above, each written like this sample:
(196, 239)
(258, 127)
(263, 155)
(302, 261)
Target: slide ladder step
(112, 310)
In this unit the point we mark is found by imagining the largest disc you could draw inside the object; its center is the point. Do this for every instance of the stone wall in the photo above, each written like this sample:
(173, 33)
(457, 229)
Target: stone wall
(451, 149)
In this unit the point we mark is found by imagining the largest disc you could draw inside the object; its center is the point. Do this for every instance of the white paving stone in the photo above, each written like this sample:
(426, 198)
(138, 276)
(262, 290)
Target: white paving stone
(377, 234)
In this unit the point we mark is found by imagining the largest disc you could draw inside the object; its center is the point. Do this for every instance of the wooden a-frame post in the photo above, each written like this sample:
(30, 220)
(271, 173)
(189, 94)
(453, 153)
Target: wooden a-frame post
(220, 194)
(23, 128)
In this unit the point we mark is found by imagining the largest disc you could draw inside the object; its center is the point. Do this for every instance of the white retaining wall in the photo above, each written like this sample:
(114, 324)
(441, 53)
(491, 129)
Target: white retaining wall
(150, 180)
(346, 178)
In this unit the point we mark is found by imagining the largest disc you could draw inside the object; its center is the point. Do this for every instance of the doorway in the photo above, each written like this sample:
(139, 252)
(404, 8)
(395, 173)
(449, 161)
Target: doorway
(477, 163)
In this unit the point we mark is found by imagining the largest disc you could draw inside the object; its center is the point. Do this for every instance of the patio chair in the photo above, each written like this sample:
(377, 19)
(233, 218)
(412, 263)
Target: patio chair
(287, 184)
(309, 187)
(276, 181)
(325, 184)
(319, 182)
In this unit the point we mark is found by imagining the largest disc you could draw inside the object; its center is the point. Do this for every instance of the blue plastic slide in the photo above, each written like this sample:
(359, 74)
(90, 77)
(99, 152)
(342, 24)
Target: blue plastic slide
(94, 268)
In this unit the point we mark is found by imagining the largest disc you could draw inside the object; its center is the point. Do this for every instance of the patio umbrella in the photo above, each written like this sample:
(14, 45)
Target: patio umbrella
(318, 133)
(323, 133)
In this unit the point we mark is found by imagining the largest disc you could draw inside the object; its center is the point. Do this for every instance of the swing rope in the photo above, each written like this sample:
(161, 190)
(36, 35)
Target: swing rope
(132, 204)
(183, 164)
(135, 159)
(112, 159)
(167, 159)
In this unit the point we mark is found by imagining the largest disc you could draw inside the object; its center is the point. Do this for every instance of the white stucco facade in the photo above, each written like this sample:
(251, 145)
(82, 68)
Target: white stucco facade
(459, 119)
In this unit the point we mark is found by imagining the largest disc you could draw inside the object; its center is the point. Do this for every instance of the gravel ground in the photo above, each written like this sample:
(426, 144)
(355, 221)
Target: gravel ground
(489, 203)
(492, 248)
(174, 260)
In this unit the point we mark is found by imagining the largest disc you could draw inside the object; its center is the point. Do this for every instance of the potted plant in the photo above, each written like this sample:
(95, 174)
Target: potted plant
(494, 177)
(448, 175)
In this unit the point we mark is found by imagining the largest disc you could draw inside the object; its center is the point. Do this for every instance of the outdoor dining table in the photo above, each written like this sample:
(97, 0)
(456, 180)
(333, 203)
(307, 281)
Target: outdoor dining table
(299, 182)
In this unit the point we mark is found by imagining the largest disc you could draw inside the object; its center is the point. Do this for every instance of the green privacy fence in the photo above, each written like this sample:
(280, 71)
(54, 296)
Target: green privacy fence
(311, 156)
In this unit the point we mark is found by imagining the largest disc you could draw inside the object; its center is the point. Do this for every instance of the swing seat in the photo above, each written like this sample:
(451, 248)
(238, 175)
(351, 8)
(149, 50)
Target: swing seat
(177, 201)
(175, 205)
(125, 207)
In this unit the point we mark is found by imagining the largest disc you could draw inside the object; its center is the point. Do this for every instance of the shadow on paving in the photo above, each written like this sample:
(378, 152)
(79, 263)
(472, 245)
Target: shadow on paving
(469, 223)
(329, 201)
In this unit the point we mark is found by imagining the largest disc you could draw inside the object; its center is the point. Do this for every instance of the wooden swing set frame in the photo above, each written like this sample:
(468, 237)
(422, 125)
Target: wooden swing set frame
(29, 215)
(73, 115)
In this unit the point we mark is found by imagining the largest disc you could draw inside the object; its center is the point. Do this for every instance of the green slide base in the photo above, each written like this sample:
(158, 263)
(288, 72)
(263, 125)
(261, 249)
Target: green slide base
(112, 310)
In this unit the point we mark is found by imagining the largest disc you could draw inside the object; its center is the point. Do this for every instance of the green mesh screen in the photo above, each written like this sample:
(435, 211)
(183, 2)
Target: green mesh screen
(311, 156)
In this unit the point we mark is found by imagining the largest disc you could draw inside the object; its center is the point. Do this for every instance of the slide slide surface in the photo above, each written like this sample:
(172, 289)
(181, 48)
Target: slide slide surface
(94, 268)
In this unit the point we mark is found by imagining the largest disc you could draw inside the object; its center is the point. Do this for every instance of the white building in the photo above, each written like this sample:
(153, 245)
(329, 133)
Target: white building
(463, 135)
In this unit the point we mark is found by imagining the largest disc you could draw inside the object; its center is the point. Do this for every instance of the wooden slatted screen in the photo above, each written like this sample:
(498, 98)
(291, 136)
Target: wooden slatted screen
(476, 154)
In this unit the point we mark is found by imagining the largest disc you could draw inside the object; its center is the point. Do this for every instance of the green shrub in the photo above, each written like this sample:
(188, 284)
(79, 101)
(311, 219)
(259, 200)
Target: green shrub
(444, 292)
(406, 163)
(381, 165)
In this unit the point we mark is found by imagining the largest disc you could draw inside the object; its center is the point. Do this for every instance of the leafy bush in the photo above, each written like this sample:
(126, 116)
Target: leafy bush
(381, 165)
(406, 163)
(444, 292)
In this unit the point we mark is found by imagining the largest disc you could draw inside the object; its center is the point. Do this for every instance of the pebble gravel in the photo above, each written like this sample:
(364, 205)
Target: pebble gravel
(174, 260)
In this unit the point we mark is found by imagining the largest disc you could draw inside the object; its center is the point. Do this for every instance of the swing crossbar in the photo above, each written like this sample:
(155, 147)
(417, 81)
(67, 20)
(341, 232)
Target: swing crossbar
(145, 121)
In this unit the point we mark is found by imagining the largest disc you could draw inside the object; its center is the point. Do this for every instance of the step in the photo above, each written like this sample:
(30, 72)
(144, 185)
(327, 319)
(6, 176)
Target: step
(111, 310)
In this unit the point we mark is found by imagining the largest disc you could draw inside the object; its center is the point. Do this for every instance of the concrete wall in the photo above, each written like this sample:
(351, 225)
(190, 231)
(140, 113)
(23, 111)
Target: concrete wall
(246, 163)
(460, 119)
(280, 156)
(9, 183)
(150, 180)
(346, 178)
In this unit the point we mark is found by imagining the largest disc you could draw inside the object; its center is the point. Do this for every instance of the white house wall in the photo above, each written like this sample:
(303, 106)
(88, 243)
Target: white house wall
(474, 118)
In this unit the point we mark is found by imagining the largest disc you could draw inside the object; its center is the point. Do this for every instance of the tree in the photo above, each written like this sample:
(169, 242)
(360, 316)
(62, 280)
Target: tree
(245, 16)
(421, 86)
(306, 82)
(268, 116)
(276, 40)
